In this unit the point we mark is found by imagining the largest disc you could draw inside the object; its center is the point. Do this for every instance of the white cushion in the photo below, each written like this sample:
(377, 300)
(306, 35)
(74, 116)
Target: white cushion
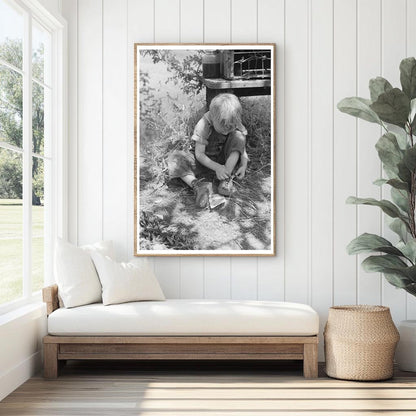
(126, 282)
(187, 317)
(75, 273)
(103, 247)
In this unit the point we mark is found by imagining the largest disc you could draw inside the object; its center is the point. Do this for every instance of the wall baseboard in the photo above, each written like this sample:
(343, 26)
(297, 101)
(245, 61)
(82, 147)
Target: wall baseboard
(11, 379)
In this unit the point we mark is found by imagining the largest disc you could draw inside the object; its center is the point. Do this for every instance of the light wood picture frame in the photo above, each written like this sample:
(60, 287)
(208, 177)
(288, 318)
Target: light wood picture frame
(204, 144)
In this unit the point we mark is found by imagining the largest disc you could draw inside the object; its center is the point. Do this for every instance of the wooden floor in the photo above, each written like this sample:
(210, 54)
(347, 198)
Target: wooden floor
(191, 389)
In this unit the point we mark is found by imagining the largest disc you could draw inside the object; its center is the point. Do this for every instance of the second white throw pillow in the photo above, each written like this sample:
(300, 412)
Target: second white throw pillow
(126, 282)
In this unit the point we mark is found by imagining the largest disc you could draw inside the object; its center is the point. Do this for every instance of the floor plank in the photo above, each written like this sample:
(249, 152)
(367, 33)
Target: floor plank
(226, 389)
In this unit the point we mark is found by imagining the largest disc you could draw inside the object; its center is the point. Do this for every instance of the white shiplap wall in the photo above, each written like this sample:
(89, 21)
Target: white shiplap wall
(326, 50)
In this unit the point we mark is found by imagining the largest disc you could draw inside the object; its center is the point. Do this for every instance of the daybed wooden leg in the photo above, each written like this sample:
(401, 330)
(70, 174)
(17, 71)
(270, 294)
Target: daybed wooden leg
(310, 360)
(50, 360)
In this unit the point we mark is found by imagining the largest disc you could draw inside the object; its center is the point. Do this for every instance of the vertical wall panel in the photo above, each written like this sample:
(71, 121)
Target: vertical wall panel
(217, 278)
(192, 21)
(296, 152)
(167, 24)
(217, 28)
(411, 51)
(321, 165)
(244, 21)
(217, 21)
(192, 278)
(115, 52)
(140, 30)
(393, 51)
(369, 167)
(345, 151)
(271, 29)
(192, 31)
(70, 11)
(90, 183)
(244, 29)
(167, 29)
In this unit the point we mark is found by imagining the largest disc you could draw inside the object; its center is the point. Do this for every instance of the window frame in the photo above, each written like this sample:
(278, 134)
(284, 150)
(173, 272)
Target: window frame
(57, 226)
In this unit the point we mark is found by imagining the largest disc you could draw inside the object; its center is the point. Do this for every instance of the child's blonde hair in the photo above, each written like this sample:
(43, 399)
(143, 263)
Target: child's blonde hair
(225, 110)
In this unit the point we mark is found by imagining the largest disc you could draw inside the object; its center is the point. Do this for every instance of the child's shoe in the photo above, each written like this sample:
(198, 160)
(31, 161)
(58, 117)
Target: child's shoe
(226, 187)
(202, 190)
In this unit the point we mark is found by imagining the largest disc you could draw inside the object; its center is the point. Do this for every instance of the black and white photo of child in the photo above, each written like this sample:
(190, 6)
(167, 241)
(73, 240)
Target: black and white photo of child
(204, 168)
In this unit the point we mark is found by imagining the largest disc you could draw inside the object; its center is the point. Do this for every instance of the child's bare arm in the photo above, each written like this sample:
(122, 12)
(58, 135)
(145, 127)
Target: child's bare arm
(209, 163)
(244, 159)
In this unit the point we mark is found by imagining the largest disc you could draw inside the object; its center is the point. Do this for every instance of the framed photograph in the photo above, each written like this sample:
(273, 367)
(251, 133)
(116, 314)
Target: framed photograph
(204, 162)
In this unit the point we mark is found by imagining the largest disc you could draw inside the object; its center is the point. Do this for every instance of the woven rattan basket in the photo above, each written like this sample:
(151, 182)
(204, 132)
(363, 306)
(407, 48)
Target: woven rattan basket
(360, 341)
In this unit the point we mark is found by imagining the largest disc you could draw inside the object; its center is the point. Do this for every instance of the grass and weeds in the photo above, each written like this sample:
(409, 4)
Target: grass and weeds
(168, 216)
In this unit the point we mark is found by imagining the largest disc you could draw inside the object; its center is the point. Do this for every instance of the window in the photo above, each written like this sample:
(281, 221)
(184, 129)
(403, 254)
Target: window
(31, 140)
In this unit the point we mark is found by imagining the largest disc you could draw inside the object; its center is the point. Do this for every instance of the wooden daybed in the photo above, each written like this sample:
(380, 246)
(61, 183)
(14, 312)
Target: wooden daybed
(59, 348)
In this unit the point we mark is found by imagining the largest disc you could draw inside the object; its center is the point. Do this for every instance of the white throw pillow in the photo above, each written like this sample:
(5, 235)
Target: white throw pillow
(103, 247)
(75, 273)
(126, 282)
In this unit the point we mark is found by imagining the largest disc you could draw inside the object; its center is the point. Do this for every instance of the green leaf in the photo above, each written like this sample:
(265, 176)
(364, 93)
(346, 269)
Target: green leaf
(411, 289)
(389, 151)
(392, 107)
(401, 137)
(396, 271)
(381, 263)
(412, 109)
(400, 198)
(366, 243)
(400, 228)
(398, 184)
(404, 173)
(408, 77)
(397, 280)
(408, 249)
(378, 86)
(380, 182)
(389, 208)
(359, 107)
(412, 116)
(410, 158)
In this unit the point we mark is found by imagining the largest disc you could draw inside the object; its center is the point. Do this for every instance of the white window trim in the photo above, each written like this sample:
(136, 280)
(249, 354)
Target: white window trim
(59, 146)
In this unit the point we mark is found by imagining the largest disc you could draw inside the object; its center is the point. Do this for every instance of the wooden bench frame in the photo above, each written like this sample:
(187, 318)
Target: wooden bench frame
(58, 349)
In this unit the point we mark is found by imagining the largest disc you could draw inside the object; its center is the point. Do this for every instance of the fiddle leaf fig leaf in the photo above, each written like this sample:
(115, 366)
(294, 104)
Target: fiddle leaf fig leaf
(366, 243)
(400, 228)
(392, 107)
(408, 77)
(408, 249)
(389, 151)
(381, 263)
(380, 182)
(404, 173)
(359, 107)
(397, 280)
(412, 109)
(400, 198)
(378, 86)
(410, 158)
(398, 184)
(402, 139)
(388, 207)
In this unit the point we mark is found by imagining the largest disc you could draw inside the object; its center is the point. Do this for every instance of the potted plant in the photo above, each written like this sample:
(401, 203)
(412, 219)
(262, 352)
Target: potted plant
(394, 109)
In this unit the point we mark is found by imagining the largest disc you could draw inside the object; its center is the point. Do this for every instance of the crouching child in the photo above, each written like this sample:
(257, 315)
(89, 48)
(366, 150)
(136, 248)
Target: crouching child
(220, 149)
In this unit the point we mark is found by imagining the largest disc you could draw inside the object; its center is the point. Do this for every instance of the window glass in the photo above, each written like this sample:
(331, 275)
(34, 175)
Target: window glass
(11, 107)
(11, 226)
(11, 34)
(41, 46)
(38, 118)
(38, 227)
